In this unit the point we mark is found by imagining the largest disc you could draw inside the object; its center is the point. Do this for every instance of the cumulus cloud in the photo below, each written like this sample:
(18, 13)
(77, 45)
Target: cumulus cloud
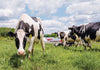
(52, 26)
(11, 8)
(45, 7)
(88, 11)
(77, 12)
(9, 23)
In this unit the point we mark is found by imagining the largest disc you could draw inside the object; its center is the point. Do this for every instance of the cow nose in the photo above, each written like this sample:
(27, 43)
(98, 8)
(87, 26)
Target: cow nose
(21, 53)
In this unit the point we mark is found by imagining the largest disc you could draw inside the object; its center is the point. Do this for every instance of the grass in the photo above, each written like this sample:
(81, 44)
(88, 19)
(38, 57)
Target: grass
(54, 58)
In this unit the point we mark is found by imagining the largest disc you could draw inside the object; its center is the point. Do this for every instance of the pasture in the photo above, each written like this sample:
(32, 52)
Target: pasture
(54, 58)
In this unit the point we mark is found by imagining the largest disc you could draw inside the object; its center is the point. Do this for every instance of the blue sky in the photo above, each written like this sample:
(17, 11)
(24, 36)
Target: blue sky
(56, 15)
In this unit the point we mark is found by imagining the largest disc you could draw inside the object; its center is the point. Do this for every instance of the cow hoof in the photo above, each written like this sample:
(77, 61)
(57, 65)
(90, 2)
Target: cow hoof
(29, 51)
(84, 48)
(29, 56)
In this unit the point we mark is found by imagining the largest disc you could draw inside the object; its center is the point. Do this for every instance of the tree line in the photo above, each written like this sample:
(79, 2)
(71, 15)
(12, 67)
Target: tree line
(4, 31)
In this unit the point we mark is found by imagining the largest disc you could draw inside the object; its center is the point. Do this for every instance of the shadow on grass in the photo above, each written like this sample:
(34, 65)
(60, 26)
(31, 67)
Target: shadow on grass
(73, 49)
(94, 49)
(15, 61)
(81, 50)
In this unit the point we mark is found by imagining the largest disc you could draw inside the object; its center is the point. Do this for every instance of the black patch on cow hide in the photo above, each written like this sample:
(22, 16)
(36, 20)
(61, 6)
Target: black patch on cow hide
(91, 29)
(66, 39)
(32, 30)
(73, 37)
(17, 42)
(24, 42)
(35, 19)
(40, 28)
(62, 34)
(24, 26)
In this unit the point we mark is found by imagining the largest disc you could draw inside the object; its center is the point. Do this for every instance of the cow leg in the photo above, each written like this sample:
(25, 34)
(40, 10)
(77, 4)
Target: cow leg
(31, 46)
(42, 43)
(89, 45)
(84, 46)
(84, 43)
(76, 44)
(64, 43)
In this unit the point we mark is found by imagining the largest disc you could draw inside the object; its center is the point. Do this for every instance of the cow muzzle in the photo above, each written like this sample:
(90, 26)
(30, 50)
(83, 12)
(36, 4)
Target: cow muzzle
(21, 53)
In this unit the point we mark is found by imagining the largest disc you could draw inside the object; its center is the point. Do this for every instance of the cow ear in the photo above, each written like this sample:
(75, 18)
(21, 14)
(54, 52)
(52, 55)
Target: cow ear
(27, 34)
(62, 34)
(55, 33)
(11, 34)
(70, 28)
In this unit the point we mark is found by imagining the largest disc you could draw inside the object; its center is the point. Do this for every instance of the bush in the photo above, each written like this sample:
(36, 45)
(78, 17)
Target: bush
(4, 31)
(50, 35)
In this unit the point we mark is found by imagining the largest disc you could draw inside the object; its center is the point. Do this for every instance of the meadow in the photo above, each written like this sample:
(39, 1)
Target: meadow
(54, 58)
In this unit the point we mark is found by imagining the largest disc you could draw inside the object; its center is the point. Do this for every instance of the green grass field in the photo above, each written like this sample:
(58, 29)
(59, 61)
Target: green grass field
(54, 58)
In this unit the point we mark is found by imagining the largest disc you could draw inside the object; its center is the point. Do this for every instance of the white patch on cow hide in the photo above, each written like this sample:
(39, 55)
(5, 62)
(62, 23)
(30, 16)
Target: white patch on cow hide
(58, 34)
(20, 34)
(87, 38)
(98, 33)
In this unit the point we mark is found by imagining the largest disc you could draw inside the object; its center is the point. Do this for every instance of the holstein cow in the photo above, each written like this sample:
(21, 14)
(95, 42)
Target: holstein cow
(87, 32)
(28, 28)
(61, 36)
(67, 39)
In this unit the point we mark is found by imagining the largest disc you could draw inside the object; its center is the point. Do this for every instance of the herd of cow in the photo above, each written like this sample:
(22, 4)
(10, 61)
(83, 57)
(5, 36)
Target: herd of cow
(30, 29)
(82, 34)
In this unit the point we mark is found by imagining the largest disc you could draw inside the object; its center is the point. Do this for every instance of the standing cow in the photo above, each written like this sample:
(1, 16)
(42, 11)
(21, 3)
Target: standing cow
(87, 32)
(28, 28)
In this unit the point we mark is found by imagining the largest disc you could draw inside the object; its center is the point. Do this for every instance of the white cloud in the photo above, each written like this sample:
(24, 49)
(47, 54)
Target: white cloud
(53, 26)
(84, 12)
(77, 12)
(84, 8)
(9, 23)
(14, 8)
(11, 8)
(63, 19)
(45, 7)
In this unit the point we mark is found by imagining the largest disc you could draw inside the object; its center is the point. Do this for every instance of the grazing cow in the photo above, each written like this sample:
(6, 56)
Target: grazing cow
(67, 39)
(28, 28)
(61, 36)
(87, 32)
(71, 39)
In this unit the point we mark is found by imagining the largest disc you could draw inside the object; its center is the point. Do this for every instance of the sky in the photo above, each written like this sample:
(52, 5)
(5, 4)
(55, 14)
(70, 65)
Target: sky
(56, 15)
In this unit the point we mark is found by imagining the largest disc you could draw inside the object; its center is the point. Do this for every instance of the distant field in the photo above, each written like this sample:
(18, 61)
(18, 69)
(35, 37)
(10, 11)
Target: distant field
(54, 58)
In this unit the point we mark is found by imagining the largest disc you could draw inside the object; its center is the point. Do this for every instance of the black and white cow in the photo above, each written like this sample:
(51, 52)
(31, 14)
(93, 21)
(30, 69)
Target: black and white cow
(67, 38)
(61, 36)
(28, 28)
(87, 32)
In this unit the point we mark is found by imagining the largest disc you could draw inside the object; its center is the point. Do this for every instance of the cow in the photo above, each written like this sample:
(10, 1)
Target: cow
(67, 38)
(88, 32)
(28, 28)
(61, 36)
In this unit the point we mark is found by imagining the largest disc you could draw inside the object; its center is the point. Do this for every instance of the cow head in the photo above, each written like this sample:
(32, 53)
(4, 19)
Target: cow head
(20, 40)
(73, 29)
(60, 35)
